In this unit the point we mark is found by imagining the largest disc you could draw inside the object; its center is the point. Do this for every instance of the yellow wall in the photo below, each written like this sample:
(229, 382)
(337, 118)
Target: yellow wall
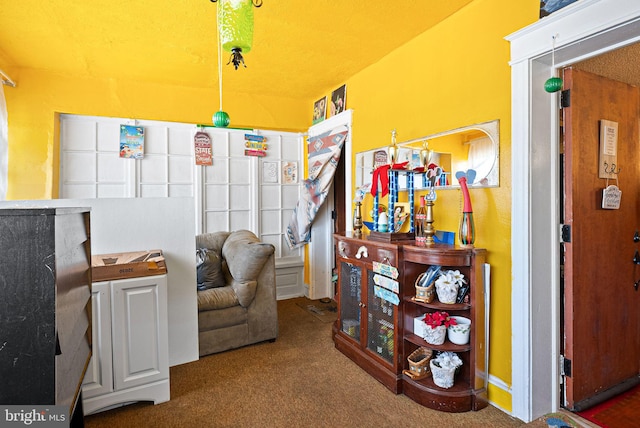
(39, 96)
(453, 75)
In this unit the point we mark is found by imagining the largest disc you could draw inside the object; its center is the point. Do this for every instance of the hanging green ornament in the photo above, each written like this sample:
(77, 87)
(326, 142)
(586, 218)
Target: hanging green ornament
(221, 119)
(553, 84)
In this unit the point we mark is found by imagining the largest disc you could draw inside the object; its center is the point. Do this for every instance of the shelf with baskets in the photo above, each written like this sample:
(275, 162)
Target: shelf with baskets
(469, 388)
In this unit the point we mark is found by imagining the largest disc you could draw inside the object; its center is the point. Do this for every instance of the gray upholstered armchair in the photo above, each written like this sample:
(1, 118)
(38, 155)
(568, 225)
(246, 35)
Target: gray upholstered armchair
(236, 291)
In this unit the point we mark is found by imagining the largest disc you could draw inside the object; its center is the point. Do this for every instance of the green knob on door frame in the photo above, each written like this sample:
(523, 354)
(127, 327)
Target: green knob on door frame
(553, 84)
(221, 119)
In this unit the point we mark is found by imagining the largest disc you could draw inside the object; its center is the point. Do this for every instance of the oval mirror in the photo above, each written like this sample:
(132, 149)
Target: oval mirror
(471, 147)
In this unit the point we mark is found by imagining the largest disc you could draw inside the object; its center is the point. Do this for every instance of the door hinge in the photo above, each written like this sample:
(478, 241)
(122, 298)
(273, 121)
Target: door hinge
(565, 366)
(565, 233)
(565, 98)
(334, 215)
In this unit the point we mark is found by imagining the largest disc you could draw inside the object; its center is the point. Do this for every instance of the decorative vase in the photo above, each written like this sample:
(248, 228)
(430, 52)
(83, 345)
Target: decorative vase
(443, 377)
(459, 333)
(467, 228)
(435, 335)
(447, 293)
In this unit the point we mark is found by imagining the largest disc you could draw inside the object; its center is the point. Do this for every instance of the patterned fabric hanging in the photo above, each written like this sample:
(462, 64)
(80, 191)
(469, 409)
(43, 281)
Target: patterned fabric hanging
(324, 155)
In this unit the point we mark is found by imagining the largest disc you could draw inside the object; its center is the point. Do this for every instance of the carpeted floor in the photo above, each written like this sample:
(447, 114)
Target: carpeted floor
(300, 380)
(325, 311)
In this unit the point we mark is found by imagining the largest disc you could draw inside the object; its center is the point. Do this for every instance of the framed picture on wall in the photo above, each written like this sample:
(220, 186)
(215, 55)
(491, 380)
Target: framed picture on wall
(131, 141)
(338, 100)
(270, 172)
(319, 110)
(547, 7)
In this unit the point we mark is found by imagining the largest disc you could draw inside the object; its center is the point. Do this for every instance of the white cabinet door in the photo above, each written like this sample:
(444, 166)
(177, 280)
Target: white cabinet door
(140, 345)
(98, 379)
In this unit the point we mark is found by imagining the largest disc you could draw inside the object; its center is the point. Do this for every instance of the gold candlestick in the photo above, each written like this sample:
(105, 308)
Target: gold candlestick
(357, 221)
(429, 230)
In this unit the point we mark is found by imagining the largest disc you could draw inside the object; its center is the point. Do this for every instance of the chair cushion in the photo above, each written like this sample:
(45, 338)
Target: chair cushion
(209, 269)
(217, 298)
(245, 255)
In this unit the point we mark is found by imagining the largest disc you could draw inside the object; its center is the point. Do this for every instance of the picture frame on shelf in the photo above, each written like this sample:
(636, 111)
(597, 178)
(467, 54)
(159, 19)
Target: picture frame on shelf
(319, 110)
(338, 100)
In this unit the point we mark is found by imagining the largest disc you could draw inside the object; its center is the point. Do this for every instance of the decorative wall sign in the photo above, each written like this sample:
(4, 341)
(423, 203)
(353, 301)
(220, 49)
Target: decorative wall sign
(131, 142)
(379, 158)
(385, 269)
(289, 172)
(608, 162)
(255, 145)
(269, 172)
(386, 295)
(202, 143)
(611, 197)
(388, 283)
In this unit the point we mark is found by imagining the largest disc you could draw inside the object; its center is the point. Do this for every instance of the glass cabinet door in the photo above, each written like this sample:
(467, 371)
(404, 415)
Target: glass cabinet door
(350, 286)
(380, 323)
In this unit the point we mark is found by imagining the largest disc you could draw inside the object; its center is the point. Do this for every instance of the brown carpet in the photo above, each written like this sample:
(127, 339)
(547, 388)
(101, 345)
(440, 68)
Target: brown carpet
(325, 311)
(300, 380)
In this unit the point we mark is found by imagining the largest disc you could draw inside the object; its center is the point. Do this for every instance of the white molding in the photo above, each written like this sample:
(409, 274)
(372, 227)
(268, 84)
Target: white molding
(321, 257)
(584, 29)
(500, 384)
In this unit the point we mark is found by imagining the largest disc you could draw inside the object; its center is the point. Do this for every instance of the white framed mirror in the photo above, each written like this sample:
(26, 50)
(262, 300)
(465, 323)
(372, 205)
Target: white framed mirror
(474, 147)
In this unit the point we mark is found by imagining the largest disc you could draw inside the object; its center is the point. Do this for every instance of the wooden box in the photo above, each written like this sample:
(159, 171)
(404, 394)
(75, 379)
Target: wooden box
(127, 265)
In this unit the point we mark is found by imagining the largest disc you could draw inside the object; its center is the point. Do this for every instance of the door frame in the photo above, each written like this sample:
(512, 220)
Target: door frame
(583, 29)
(321, 254)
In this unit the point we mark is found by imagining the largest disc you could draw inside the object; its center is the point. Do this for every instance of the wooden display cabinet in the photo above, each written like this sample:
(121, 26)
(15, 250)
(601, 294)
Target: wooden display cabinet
(369, 328)
(469, 391)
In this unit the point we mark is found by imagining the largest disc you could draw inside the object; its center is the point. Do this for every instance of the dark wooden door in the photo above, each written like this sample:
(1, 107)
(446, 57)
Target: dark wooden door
(339, 208)
(601, 331)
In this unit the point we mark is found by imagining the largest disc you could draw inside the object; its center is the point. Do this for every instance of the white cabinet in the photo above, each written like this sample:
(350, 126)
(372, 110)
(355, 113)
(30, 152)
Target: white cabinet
(130, 359)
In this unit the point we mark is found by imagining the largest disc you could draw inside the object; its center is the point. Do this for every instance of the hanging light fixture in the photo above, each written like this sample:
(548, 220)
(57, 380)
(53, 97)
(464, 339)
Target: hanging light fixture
(235, 26)
(235, 34)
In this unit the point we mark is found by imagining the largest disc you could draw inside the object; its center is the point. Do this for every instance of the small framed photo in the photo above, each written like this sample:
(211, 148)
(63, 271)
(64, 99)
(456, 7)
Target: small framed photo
(547, 7)
(320, 110)
(338, 100)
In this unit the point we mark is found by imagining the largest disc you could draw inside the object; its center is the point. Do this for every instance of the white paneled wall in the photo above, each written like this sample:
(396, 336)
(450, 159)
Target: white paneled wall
(231, 194)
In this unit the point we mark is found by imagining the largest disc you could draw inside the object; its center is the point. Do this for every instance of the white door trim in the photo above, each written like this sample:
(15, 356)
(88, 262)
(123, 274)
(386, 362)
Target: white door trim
(321, 256)
(584, 29)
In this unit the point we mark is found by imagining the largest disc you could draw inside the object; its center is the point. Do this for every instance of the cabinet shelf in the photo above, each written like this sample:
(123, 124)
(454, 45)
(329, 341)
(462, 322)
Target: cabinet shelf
(438, 306)
(427, 384)
(446, 346)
